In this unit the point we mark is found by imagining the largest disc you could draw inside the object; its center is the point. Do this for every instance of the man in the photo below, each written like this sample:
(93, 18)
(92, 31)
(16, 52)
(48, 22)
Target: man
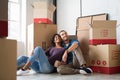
(73, 57)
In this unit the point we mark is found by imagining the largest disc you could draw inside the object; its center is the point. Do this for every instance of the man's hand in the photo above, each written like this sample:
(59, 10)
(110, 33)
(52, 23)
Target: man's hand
(64, 57)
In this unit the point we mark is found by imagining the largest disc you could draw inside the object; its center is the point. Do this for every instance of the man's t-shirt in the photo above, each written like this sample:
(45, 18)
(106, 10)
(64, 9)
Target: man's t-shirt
(66, 46)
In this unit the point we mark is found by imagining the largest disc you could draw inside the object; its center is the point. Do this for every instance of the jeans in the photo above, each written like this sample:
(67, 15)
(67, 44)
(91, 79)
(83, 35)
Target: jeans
(39, 61)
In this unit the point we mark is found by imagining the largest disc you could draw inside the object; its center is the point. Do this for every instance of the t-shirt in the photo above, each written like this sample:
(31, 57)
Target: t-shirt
(54, 54)
(66, 46)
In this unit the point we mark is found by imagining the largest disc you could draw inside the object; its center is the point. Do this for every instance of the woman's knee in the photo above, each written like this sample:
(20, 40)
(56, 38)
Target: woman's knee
(22, 57)
(38, 48)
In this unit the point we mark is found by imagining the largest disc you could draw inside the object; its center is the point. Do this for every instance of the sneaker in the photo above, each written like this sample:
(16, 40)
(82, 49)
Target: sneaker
(90, 69)
(21, 72)
(85, 70)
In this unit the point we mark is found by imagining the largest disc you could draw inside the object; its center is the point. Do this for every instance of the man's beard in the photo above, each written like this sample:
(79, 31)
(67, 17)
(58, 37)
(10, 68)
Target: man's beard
(65, 40)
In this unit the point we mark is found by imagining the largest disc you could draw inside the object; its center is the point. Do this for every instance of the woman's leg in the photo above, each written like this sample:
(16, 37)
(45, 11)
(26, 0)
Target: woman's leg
(21, 61)
(44, 65)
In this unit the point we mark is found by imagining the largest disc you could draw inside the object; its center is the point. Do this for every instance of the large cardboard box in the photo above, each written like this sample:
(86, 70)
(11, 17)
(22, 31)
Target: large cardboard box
(8, 54)
(103, 32)
(43, 12)
(82, 31)
(3, 18)
(40, 35)
(105, 58)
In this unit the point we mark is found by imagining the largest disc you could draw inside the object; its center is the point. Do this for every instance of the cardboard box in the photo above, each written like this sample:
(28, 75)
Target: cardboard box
(103, 32)
(43, 12)
(105, 58)
(84, 21)
(8, 54)
(82, 31)
(40, 35)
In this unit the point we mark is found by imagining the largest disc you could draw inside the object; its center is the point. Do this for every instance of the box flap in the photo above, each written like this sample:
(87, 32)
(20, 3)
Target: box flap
(104, 23)
(51, 7)
(84, 22)
(41, 4)
(99, 17)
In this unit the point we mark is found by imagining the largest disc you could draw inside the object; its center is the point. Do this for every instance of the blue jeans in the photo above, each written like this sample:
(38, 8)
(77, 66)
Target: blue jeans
(39, 61)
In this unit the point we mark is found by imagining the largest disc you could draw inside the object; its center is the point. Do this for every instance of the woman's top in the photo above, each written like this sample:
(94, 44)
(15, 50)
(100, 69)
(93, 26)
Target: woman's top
(54, 54)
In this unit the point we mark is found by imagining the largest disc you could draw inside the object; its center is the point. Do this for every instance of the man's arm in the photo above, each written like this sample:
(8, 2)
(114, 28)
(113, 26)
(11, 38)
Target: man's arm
(72, 47)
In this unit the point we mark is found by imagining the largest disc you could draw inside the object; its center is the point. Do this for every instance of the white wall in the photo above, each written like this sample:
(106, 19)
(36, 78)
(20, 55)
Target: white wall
(69, 10)
(67, 13)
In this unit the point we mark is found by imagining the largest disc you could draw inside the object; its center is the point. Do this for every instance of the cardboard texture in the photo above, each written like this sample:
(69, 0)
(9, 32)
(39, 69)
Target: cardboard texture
(43, 12)
(40, 35)
(83, 25)
(103, 32)
(8, 53)
(105, 58)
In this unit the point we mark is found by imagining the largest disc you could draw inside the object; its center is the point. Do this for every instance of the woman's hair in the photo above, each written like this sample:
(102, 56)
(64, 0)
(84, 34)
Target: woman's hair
(53, 43)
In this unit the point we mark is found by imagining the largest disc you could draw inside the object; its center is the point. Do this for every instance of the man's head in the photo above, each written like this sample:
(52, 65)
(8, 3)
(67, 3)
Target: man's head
(64, 35)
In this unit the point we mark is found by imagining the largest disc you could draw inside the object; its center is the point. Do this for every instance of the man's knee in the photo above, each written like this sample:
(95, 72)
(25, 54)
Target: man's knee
(60, 69)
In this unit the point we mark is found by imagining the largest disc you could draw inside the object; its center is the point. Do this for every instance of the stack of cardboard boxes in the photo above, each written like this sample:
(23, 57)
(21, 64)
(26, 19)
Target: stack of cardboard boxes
(42, 29)
(83, 26)
(100, 35)
(43, 11)
(8, 48)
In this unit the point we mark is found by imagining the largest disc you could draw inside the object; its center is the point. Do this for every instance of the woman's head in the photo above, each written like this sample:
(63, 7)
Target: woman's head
(56, 39)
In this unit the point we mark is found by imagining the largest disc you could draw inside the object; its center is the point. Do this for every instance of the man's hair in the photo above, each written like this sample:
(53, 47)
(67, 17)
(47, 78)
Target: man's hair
(62, 31)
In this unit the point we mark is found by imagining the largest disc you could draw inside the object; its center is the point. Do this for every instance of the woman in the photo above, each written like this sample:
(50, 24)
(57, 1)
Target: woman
(42, 61)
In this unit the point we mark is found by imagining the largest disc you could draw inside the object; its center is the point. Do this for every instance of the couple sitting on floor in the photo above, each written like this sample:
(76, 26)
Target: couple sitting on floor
(64, 56)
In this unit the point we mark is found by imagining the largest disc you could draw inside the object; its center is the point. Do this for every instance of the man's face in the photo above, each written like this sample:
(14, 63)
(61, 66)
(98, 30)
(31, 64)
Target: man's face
(64, 35)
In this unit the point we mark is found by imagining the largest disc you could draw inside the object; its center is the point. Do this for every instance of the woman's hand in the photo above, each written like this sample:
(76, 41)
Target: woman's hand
(58, 63)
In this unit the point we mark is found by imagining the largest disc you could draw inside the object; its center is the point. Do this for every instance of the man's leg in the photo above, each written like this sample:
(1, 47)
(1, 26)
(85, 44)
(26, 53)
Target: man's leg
(79, 56)
(76, 64)
(72, 68)
(67, 69)
(79, 59)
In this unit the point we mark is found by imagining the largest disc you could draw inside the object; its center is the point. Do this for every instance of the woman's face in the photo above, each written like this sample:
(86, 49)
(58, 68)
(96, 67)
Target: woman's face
(57, 39)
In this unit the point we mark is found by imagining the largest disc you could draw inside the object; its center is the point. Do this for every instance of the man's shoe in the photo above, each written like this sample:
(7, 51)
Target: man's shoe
(85, 70)
(90, 69)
